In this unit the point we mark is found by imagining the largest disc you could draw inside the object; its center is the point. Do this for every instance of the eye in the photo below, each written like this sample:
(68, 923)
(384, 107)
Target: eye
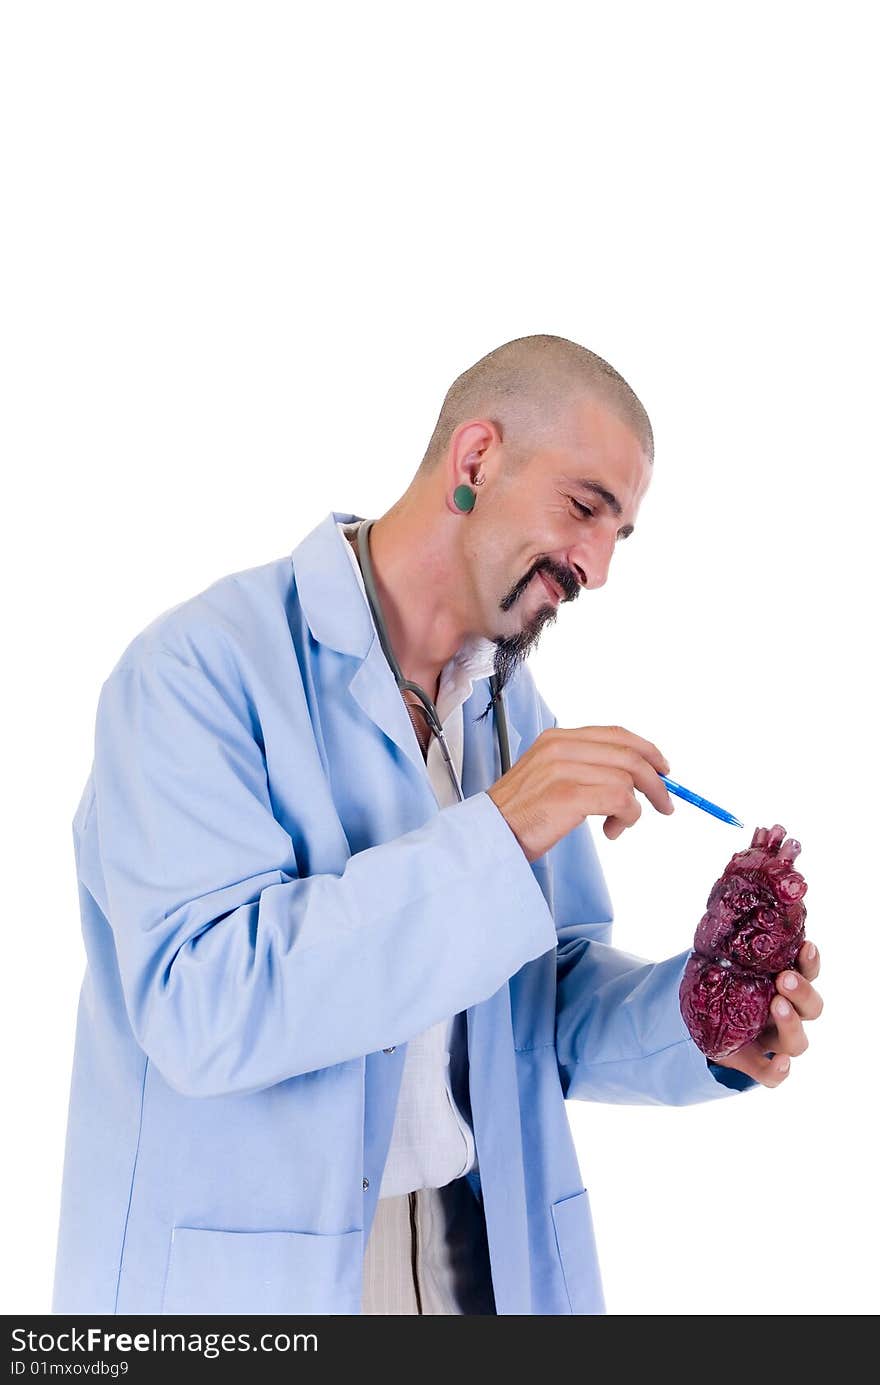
(584, 510)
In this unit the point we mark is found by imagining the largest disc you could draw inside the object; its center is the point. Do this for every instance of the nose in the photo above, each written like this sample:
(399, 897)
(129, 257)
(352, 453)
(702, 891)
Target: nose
(591, 558)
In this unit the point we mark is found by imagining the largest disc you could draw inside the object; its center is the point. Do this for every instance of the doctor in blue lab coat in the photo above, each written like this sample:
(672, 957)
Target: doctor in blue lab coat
(273, 903)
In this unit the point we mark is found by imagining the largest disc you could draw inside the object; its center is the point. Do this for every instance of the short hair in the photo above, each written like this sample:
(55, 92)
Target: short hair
(528, 386)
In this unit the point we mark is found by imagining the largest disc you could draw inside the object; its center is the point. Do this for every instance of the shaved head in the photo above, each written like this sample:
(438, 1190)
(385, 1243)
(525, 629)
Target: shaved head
(527, 388)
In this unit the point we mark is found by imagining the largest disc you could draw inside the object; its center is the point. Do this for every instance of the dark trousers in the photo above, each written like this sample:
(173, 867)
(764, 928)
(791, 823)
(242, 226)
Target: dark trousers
(427, 1252)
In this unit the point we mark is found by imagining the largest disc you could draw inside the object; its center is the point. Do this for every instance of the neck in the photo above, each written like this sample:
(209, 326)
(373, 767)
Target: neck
(413, 572)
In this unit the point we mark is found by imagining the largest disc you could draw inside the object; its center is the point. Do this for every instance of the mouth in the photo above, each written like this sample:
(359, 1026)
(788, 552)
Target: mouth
(551, 586)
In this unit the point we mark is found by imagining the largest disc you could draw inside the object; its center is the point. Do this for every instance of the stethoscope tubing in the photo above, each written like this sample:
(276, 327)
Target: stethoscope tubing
(430, 710)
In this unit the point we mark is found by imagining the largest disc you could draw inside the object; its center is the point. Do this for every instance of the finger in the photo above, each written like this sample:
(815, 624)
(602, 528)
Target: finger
(802, 994)
(619, 735)
(808, 961)
(770, 1070)
(791, 1036)
(586, 756)
(628, 812)
(637, 775)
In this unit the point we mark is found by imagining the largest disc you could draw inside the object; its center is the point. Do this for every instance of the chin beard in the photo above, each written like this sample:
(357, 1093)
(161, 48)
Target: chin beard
(512, 650)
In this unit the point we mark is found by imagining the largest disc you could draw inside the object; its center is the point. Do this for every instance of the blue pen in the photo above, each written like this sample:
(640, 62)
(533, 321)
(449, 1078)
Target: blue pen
(698, 802)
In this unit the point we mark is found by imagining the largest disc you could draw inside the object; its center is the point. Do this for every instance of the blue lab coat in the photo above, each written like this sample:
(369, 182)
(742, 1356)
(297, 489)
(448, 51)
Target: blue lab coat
(272, 904)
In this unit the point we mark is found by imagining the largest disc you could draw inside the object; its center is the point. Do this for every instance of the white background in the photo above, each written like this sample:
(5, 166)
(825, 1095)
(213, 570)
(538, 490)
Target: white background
(247, 249)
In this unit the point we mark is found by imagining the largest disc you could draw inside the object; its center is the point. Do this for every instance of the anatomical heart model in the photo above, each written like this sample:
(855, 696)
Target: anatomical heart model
(753, 928)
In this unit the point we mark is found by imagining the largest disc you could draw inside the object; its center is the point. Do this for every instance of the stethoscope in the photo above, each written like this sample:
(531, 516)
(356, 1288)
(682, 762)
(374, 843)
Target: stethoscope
(427, 706)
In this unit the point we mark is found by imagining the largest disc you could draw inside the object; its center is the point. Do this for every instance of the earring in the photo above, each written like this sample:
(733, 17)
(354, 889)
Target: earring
(465, 498)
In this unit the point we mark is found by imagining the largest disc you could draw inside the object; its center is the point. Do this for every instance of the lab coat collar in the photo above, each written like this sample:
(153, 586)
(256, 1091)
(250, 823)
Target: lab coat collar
(332, 598)
(328, 590)
(338, 617)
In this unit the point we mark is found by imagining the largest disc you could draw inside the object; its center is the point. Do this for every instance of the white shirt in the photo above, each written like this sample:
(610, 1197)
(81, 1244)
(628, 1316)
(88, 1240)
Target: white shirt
(431, 1142)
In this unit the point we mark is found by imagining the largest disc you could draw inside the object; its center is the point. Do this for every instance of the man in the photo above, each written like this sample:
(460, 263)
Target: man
(332, 1011)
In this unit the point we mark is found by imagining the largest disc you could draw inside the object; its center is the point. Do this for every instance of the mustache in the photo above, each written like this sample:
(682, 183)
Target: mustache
(565, 580)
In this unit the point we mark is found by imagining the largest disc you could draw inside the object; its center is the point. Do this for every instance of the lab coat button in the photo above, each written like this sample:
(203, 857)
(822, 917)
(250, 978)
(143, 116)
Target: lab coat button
(366, 1182)
(389, 1050)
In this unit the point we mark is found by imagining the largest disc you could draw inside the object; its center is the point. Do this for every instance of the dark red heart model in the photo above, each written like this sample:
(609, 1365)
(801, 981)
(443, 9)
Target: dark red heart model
(753, 928)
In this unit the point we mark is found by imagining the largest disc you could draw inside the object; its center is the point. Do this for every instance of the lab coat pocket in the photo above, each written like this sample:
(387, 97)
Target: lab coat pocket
(215, 1271)
(573, 1222)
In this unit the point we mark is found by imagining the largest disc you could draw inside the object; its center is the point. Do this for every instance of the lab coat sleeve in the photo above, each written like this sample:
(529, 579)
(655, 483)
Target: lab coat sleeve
(236, 972)
(620, 1035)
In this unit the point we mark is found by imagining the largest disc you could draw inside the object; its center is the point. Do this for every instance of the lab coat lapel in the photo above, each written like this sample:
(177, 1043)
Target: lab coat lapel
(374, 688)
(338, 616)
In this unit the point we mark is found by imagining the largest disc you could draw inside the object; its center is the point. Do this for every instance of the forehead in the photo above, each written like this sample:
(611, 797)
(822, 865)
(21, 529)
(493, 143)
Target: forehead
(599, 444)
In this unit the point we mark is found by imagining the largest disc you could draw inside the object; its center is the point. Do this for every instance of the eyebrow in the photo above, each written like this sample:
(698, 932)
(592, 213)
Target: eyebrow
(610, 499)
